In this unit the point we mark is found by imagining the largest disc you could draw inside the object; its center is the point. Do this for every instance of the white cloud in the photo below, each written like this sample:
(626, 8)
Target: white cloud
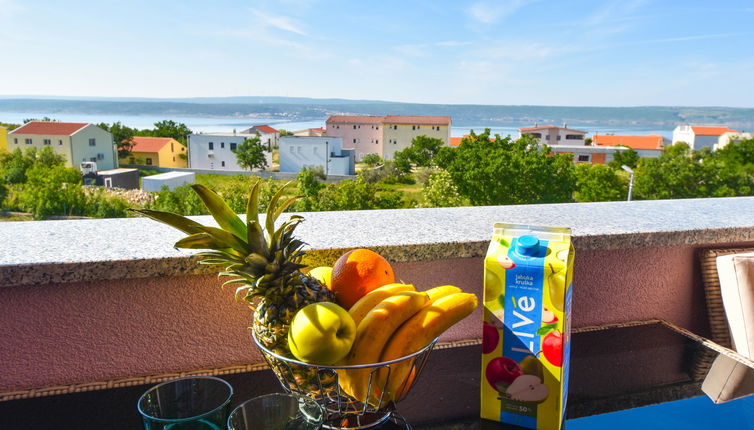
(491, 12)
(279, 21)
(452, 43)
(517, 51)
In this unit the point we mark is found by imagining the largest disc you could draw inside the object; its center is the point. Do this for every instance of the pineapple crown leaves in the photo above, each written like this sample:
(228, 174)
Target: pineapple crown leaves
(253, 254)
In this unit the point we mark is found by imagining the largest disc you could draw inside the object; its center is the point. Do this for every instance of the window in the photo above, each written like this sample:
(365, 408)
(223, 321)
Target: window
(173, 159)
(377, 127)
(376, 141)
(149, 161)
(222, 145)
(27, 141)
(583, 158)
(573, 137)
(413, 127)
(222, 163)
(46, 142)
(559, 137)
(60, 141)
(547, 137)
(354, 141)
(354, 127)
(537, 135)
(15, 140)
(171, 148)
(93, 159)
(100, 156)
(211, 146)
(92, 142)
(291, 148)
(233, 146)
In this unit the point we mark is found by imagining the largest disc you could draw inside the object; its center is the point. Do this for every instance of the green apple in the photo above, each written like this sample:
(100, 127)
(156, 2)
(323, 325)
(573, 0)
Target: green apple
(321, 333)
(323, 274)
(493, 285)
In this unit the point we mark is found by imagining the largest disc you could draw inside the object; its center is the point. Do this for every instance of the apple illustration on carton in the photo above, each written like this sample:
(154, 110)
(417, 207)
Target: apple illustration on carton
(552, 348)
(501, 372)
(490, 338)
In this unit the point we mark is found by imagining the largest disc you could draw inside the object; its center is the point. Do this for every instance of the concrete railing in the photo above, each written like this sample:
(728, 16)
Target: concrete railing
(87, 304)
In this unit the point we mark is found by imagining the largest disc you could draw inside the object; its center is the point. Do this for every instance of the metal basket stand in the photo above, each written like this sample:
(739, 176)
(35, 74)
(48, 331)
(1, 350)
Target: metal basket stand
(343, 411)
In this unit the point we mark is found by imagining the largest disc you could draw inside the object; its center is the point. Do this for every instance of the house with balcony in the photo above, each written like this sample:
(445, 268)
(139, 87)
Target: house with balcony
(645, 146)
(386, 135)
(698, 137)
(267, 135)
(564, 140)
(89, 325)
(298, 152)
(156, 151)
(76, 142)
(214, 151)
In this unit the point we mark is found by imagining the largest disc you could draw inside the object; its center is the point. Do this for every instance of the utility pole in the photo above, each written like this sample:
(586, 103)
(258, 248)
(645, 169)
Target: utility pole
(630, 180)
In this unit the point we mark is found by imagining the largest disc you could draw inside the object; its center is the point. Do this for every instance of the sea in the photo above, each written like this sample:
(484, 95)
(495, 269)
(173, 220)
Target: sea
(199, 124)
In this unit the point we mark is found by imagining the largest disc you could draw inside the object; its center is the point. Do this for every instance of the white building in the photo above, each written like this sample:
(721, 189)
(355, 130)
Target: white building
(552, 135)
(730, 137)
(214, 151)
(171, 180)
(699, 137)
(297, 152)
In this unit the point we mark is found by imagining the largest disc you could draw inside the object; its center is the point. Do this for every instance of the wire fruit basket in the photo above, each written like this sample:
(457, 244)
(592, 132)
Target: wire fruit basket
(342, 410)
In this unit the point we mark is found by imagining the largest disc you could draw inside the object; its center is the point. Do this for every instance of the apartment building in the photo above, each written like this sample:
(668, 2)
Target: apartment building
(385, 135)
(698, 137)
(553, 135)
(156, 151)
(267, 135)
(76, 142)
(214, 151)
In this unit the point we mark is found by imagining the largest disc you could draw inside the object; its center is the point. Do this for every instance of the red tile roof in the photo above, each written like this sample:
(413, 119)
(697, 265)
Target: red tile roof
(711, 131)
(416, 119)
(358, 119)
(265, 129)
(149, 144)
(50, 127)
(319, 129)
(653, 141)
(455, 141)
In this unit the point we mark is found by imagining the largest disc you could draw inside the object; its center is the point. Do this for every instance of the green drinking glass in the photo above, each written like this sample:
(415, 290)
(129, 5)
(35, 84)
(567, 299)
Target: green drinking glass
(190, 403)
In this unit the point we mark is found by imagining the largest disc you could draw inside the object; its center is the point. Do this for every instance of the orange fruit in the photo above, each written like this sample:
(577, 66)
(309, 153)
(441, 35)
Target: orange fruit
(356, 273)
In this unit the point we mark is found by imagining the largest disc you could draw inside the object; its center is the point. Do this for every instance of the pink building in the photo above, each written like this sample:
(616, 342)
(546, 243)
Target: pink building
(360, 132)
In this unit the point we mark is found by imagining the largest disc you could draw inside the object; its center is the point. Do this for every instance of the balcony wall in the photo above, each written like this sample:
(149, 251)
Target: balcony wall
(88, 304)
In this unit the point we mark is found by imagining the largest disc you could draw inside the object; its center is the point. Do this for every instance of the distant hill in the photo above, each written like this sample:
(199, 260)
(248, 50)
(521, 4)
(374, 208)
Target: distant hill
(305, 109)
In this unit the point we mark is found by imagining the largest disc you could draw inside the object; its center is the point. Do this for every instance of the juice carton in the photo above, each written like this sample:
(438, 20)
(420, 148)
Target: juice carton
(526, 345)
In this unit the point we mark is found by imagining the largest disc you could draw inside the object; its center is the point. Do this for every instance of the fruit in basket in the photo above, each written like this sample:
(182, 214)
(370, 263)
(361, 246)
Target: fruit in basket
(528, 388)
(323, 274)
(356, 273)
(321, 333)
(263, 261)
(501, 372)
(361, 308)
(416, 333)
(372, 333)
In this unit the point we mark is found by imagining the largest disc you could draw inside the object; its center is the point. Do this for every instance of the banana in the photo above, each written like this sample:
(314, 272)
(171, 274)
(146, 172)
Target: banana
(441, 291)
(372, 334)
(415, 334)
(365, 304)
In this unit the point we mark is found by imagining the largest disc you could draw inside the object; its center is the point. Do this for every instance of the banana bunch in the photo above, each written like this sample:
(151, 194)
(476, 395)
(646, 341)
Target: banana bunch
(391, 322)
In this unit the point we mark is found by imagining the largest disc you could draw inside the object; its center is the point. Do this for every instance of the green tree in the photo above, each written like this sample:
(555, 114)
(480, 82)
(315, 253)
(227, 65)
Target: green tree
(308, 188)
(503, 171)
(14, 166)
(284, 132)
(599, 183)
(441, 192)
(53, 191)
(167, 128)
(371, 160)
(421, 153)
(9, 127)
(355, 195)
(627, 157)
(122, 136)
(251, 154)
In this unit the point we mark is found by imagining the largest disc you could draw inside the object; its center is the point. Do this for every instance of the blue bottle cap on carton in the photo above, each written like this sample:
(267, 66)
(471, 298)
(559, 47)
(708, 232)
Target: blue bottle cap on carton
(528, 245)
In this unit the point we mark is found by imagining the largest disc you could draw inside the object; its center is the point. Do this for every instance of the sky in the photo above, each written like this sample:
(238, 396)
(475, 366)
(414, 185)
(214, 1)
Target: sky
(505, 52)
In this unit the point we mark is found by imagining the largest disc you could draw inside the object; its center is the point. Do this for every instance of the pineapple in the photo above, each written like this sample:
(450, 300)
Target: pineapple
(264, 263)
